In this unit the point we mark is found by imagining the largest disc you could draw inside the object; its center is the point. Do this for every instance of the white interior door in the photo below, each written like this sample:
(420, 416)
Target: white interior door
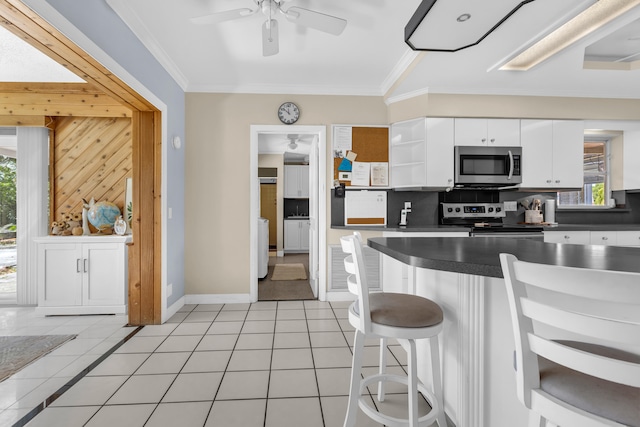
(313, 215)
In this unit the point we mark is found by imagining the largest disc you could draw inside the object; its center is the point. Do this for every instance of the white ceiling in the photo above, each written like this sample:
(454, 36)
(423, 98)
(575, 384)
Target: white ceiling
(370, 56)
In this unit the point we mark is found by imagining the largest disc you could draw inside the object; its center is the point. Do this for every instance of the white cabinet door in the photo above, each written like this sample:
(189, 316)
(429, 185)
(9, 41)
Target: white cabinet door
(296, 181)
(537, 147)
(103, 271)
(439, 152)
(607, 238)
(470, 132)
(487, 132)
(552, 153)
(503, 132)
(59, 275)
(569, 237)
(304, 235)
(628, 238)
(291, 235)
(568, 153)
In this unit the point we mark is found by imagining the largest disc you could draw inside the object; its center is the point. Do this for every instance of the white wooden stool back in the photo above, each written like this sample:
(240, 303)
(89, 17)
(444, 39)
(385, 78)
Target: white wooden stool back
(579, 319)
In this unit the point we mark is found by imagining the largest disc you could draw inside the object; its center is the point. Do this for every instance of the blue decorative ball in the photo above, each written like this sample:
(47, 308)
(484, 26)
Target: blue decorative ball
(103, 214)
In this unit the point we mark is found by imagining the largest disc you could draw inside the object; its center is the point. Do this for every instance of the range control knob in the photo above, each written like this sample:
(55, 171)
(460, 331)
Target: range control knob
(457, 209)
(498, 209)
(449, 209)
(490, 209)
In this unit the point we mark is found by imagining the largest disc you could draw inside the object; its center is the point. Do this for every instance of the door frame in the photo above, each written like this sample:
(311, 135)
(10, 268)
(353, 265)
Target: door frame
(320, 223)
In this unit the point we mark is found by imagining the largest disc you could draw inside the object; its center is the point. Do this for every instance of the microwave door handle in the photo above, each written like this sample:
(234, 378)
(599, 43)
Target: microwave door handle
(510, 165)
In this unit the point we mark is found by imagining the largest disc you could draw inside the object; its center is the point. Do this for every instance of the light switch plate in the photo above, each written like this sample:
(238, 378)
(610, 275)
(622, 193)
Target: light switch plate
(510, 206)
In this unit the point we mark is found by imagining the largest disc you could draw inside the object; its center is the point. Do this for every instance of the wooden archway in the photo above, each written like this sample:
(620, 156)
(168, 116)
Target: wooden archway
(145, 252)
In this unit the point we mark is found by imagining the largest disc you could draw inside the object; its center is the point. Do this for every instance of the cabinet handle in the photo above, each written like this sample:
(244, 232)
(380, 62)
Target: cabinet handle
(493, 140)
(557, 181)
(567, 237)
(605, 238)
(77, 265)
(86, 267)
(484, 139)
(548, 181)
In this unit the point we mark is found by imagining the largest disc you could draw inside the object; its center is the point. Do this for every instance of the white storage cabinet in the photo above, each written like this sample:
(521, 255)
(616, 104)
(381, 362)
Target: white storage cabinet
(296, 181)
(421, 153)
(607, 238)
(552, 153)
(487, 132)
(296, 235)
(82, 275)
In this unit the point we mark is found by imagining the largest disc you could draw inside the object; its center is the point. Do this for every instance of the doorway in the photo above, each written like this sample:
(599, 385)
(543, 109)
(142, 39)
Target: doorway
(315, 137)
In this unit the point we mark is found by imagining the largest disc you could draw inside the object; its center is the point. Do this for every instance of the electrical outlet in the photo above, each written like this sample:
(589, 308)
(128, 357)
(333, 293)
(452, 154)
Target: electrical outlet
(510, 206)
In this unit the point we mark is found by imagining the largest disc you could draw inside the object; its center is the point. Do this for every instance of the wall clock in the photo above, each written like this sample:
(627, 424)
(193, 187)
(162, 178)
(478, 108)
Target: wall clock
(288, 113)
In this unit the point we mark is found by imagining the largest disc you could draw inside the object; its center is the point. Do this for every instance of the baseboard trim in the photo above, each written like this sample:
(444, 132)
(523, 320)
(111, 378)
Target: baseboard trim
(340, 296)
(173, 309)
(217, 299)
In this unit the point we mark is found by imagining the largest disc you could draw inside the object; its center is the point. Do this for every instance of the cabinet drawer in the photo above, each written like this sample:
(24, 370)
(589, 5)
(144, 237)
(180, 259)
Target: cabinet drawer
(608, 238)
(628, 238)
(570, 237)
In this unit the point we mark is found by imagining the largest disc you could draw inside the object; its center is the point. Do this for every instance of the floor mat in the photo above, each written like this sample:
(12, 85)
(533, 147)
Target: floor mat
(289, 272)
(17, 352)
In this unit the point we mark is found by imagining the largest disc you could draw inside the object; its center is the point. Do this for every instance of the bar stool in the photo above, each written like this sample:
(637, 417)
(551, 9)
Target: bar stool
(391, 315)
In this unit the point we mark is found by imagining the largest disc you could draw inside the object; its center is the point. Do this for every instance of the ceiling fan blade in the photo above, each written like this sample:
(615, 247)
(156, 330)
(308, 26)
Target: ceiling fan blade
(223, 16)
(320, 21)
(270, 37)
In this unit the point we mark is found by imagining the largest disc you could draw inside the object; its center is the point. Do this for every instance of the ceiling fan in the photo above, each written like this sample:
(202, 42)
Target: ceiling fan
(269, 8)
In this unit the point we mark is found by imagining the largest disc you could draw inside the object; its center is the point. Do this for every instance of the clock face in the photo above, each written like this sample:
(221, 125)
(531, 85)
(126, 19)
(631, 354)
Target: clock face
(288, 113)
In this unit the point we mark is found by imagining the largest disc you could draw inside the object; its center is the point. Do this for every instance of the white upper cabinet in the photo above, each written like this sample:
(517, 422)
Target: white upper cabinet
(421, 153)
(296, 182)
(487, 132)
(552, 153)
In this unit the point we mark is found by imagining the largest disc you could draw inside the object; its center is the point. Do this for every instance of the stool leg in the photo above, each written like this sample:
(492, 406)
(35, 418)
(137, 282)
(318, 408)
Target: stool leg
(354, 390)
(413, 385)
(437, 382)
(383, 368)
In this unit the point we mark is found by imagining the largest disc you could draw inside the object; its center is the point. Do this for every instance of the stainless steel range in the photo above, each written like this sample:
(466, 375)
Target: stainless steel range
(486, 220)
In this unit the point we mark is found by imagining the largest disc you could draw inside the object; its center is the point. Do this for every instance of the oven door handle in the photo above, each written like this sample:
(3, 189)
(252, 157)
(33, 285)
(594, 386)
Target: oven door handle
(511, 165)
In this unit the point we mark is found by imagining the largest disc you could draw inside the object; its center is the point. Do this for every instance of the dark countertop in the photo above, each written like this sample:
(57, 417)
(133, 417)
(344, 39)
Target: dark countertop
(480, 257)
(296, 217)
(448, 228)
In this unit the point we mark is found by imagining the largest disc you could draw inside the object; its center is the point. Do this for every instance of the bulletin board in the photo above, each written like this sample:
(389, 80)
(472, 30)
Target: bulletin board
(370, 144)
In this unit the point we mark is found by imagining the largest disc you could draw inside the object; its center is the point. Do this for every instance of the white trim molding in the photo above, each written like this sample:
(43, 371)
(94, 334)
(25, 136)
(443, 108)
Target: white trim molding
(217, 299)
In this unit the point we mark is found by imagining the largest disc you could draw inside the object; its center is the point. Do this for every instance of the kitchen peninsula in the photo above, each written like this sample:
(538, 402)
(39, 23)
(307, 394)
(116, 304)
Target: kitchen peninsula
(463, 275)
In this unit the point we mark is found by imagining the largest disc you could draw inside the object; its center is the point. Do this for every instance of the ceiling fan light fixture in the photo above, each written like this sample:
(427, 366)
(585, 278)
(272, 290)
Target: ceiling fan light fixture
(581, 25)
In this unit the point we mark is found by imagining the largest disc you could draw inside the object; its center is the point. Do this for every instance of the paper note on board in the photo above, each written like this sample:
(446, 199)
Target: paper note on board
(351, 156)
(380, 174)
(342, 140)
(360, 172)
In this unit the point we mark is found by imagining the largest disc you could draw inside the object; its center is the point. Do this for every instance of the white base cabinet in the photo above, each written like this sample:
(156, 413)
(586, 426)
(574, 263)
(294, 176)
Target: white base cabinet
(82, 275)
(296, 235)
(606, 238)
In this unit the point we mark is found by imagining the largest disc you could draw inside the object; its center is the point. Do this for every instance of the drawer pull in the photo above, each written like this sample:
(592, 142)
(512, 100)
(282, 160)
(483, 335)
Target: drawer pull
(567, 237)
(605, 238)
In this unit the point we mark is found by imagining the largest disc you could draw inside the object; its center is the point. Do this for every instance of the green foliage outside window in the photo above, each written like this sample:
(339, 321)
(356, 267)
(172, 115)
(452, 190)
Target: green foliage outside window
(7, 190)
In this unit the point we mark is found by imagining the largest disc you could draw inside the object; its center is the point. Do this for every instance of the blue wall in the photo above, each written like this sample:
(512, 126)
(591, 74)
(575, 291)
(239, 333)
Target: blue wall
(98, 22)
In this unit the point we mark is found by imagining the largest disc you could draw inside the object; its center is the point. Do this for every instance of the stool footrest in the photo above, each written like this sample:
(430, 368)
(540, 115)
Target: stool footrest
(387, 420)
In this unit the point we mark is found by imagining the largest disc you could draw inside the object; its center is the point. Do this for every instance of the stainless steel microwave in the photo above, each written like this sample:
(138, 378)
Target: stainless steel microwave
(488, 166)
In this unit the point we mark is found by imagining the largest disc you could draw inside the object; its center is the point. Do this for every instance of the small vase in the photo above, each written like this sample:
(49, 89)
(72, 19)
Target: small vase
(120, 226)
(85, 222)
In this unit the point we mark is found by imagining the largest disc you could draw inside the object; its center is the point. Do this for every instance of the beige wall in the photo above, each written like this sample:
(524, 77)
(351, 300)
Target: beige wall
(217, 176)
(276, 161)
(529, 107)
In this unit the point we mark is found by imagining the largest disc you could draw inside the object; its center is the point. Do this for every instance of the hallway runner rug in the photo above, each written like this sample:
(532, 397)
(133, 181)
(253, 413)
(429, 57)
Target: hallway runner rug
(289, 272)
(17, 352)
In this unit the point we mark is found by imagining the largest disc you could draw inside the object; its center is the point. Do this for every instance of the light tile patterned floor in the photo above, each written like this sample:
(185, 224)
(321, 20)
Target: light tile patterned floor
(268, 364)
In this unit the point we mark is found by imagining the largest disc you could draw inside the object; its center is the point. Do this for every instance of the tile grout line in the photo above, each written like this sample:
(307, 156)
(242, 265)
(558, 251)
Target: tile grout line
(35, 411)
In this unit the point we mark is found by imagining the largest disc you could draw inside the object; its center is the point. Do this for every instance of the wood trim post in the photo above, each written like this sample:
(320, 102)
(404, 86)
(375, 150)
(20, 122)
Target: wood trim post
(145, 299)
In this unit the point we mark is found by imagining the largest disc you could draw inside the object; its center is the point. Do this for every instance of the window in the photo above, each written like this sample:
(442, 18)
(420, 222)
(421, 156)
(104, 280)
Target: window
(595, 192)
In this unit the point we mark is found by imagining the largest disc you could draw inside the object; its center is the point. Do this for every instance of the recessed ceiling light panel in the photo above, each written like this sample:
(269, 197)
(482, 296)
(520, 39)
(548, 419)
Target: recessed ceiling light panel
(446, 25)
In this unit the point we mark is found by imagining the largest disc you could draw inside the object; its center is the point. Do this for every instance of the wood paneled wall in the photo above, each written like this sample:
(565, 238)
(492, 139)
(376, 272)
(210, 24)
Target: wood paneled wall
(91, 157)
